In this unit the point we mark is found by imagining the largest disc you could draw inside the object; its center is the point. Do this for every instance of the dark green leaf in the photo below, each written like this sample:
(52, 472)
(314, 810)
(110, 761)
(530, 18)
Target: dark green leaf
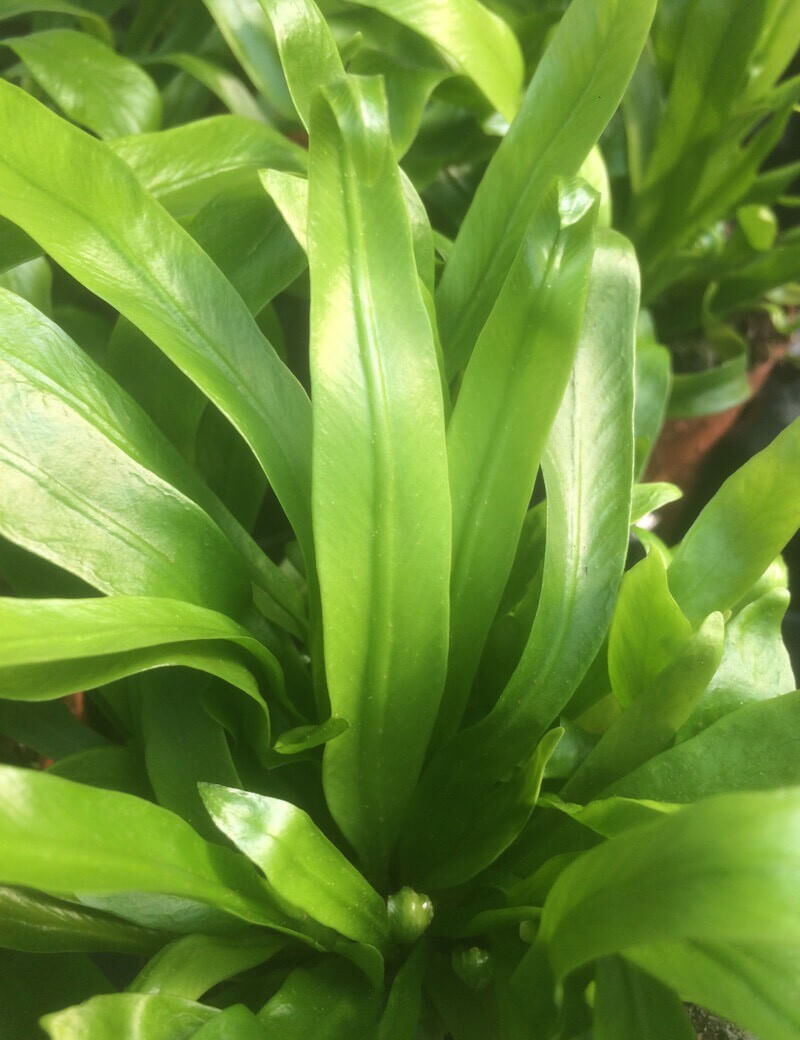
(35, 922)
(327, 1001)
(630, 1005)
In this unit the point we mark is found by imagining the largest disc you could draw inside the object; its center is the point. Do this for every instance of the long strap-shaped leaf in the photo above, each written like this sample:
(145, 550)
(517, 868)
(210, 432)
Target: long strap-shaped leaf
(741, 530)
(588, 470)
(50, 839)
(98, 223)
(72, 496)
(380, 498)
(507, 401)
(38, 923)
(94, 86)
(182, 166)
(478, 43)
(46, 357)
(693, 874)
(299, 862)
(48, 648)
(574, 92)
(247, 33)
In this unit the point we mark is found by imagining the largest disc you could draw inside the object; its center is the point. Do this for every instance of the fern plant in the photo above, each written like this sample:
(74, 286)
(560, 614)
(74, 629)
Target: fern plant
(387, 751)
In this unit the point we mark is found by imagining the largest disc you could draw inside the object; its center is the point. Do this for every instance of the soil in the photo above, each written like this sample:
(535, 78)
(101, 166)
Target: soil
(709, 1027)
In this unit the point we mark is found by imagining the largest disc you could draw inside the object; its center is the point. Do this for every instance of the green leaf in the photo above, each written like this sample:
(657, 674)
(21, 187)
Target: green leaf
(95, 87)
(755, 663)
(689, 877)
(741, 530)
(223, 84)
(302, 738)
(650, 723)
(76, 498)
(588, 470)
(759, 225)
(111, 767)
(630, 1005)
(754, 984)
(246, 236)
(50, 839)
(31, 921)
(290, 194)
(191, 965)
(647, 498)
(54, 647)
(497, 822)
(42, 353)
(328, 1001)
(33, 281)
(129, 1016)
(247, 32)
(476, 41)
(750, 749)
(647, 631)
(51, 729)
(32, 985)
(750, 281)
(379, 453)
(183, 744)
(696, 394)
(89, 20)
(103, 229)
(653, 382)
(186, 166)
(400, 1018)
(299, 862)
(234, 1023)
(573, 94)
(507, 401)
(308, 51)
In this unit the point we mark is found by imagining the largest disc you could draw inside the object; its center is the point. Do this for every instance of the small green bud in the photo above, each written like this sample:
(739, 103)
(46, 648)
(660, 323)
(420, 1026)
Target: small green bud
(473, 965)
(410, 913)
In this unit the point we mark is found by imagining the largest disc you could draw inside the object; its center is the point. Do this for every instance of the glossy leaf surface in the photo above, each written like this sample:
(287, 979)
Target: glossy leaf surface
(35, 922)
(507, 401)
(140, 847)
(91, 84)
(299, 862)
(191, 965)
(379, 469)
(326, 1000)
(53, 365)
(477, 42)
(99, 225)
(703, 882)
(588, 470)
(573, 93)
(741, 530)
